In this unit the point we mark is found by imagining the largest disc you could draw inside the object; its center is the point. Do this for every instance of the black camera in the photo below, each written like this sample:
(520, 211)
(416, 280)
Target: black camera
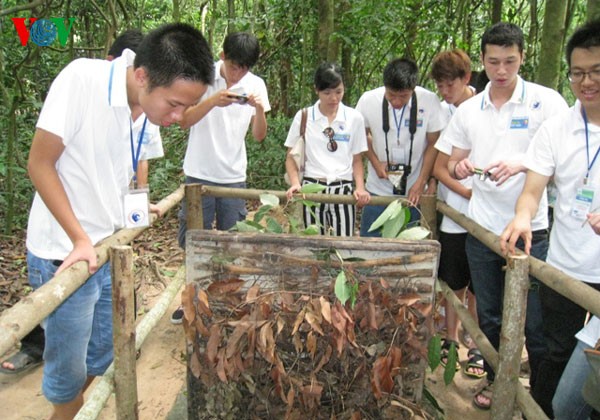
(398, 174)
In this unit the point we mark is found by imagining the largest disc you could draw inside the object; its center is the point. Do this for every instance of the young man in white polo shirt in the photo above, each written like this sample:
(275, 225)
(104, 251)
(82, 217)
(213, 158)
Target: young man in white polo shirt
(565, 148)
(387, 114)
(490, 134)
(216, 150)
(82, 163)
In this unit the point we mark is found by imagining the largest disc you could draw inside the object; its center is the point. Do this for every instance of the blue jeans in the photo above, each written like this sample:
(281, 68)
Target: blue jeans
(79, 340)
(488, 281)
(371, 213)
(568, 403)
(228, 211)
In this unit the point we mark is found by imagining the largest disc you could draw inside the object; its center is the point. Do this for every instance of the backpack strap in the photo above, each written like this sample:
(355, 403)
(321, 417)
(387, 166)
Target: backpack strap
(303, 121)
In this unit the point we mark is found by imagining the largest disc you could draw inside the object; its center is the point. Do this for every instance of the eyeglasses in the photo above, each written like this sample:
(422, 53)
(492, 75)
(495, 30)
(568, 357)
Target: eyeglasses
(329, 133)
(577, 76)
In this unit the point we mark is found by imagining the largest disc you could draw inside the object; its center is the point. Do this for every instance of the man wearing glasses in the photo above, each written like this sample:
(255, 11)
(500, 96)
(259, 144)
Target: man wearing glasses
(566, 148)
(403, 121)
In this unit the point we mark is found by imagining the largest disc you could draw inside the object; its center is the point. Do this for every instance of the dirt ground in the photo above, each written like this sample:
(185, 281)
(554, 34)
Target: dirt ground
(161, 367)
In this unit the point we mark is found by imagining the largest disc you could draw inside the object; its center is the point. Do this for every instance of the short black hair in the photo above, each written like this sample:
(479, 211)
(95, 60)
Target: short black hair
(131, 39)
(586, 36)
(241, 48)
(503, 34)
(401, 74)
(328, 76)
(175, 51)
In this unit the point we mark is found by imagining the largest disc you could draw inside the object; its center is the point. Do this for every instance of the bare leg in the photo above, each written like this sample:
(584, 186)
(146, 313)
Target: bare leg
(452, 321)
(68, 411)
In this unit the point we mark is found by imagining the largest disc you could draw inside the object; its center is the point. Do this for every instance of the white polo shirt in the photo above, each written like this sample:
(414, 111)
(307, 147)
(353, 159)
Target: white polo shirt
(590, 333)
(95, 166)
(429, 120)
(216, 149)
(454, 200)
(502, 135)
(559, 149)
(350, 136)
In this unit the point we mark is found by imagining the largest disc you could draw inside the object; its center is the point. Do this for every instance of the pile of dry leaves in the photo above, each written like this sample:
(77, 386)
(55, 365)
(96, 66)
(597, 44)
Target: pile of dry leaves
(292, 355)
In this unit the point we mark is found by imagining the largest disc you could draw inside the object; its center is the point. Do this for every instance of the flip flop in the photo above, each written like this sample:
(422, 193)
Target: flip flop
(485, 392)
(475, 361)
(21, 362)
(446, 350)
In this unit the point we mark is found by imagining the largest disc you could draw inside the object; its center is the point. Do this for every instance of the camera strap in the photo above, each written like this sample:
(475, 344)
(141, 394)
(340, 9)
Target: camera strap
(412, 125)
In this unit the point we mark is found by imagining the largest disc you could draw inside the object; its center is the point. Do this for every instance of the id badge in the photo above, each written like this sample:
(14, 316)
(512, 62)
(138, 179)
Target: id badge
(136, 208)
(583, 202)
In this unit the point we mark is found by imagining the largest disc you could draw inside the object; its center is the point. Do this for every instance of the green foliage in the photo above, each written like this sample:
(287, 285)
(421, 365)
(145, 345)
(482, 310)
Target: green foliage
(434, 357)
(392, 223)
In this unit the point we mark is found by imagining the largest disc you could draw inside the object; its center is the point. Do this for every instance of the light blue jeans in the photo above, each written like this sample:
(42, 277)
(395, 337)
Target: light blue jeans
(568, 403)
(79, 340)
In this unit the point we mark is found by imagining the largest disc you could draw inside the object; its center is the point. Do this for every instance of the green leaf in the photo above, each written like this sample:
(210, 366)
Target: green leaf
(261, 212)
(431, 399)
(248, 226)
(417, 233)
(450, 369)
(393, 226)
(434, 351)
(273, 226)
(312, 230)
(269, 200)
(342, 288)
(309, 203)
(312, 188)
(388, 213)
(353, 294)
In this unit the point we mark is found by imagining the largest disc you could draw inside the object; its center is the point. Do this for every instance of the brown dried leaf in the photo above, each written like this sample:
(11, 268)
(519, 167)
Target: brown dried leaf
(324, 359)
(252, 293)
(310, 395)
(314, 321)
(280, 325)
(298, 344)
(195, 365)
(395, 360)
(234, 340)
(276, 375)
(201, 328)
(266, 342)
(299, 319)
(221, 366)
(337, 320)
(311, 344)
(381, 379)
(224, 287)
(383, 282)
(325, 309)
(356, 416)
(203, 305)
(212, 346)
(372, 316)
(187, 300)
(409, 299)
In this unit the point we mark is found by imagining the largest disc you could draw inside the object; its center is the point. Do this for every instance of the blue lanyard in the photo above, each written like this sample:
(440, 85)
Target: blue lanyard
(135, 156)
(587, 147)
(398, 123)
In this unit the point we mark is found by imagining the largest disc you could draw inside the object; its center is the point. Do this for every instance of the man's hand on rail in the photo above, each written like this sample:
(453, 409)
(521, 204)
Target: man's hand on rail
(155, 209)
(519, 227)
(594, 220)
(83, 250)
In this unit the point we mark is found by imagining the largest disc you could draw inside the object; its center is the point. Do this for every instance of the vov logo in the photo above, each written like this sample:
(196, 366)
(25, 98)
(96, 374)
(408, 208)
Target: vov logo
(43, 32)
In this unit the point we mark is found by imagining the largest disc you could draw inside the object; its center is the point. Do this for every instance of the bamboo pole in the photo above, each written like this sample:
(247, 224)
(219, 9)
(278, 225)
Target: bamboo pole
(524, 399)
(512, 339)
(18, 321)
(429, 212)
(577, 291)
(102, 391)
(121, 268)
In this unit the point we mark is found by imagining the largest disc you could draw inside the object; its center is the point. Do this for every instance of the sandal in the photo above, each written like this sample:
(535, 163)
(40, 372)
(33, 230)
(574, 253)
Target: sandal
(483, 399)
(21, 362)
(446, 345)
(475, 362)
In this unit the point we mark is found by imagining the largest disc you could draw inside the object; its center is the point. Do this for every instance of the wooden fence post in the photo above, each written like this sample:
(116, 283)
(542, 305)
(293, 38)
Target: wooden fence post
(194, 220)
(512, 339)
(123, 281)
(429, 211)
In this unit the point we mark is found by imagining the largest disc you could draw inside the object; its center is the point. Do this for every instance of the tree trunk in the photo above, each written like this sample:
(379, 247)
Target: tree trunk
(593, 9)
(553, 33)
(230, 16)
(324, 29)
(496, 11)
